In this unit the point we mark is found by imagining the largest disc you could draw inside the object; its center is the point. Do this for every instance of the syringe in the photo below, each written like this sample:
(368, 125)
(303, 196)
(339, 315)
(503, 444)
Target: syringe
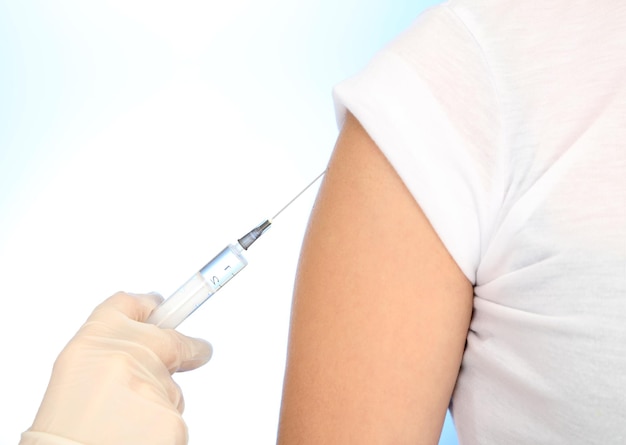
(215, 274)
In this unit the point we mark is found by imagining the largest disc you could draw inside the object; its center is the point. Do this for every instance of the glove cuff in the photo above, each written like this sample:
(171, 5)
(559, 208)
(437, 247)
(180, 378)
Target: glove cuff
(37, 438)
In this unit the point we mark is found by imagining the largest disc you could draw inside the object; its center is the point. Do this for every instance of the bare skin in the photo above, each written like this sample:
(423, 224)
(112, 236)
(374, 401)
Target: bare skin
(380, 314)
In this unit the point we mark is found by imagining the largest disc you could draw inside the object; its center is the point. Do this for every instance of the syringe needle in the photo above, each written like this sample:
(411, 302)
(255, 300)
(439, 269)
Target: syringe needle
(297, 196)
(254, 234)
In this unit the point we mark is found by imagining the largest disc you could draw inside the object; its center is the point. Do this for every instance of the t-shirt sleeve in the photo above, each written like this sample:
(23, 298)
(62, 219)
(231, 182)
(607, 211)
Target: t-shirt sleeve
(428, 102)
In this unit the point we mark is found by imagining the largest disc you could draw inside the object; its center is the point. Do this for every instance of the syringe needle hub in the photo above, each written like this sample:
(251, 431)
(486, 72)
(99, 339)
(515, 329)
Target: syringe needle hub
(254, 234)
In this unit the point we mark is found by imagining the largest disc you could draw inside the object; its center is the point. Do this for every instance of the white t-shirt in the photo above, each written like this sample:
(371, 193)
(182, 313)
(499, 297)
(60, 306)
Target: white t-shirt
(506, 119)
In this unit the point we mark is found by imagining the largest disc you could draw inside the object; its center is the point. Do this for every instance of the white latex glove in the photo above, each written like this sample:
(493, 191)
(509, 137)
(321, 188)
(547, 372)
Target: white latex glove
(112, 383)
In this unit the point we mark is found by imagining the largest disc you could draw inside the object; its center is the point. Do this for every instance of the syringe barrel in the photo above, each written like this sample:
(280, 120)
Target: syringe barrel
(208, 280)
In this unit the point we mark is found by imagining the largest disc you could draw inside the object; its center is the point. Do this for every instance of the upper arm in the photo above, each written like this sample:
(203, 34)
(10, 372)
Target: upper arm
(380, 312)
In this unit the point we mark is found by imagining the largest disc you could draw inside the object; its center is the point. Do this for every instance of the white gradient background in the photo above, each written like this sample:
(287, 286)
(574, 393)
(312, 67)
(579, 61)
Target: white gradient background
(137, 138)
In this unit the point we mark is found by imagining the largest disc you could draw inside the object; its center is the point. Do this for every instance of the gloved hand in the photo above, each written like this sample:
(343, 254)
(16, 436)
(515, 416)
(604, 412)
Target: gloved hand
(112, 383)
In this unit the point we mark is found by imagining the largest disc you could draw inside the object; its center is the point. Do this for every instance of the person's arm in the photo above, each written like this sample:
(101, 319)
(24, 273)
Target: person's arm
(380, 312)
